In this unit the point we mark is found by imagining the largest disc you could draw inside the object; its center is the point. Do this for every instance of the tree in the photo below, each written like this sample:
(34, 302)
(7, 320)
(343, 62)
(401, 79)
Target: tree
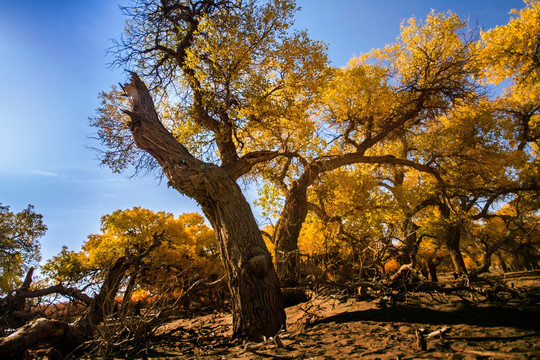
(229, 75)
(168, 257)
(19, 244)
(487, 161)
(511, 52)
(364, 107)
(187, 253)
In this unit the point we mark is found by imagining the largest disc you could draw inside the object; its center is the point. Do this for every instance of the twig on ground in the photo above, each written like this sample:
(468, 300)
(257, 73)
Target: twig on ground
(440, 332)
(259, 353)
(493, 354)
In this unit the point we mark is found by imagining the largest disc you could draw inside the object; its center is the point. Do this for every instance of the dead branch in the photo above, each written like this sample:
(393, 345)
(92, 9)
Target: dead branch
(55, 289)
(60, 335)
(440, 332)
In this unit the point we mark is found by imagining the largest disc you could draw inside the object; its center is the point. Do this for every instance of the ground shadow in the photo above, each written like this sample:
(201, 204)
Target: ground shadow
(527, 319)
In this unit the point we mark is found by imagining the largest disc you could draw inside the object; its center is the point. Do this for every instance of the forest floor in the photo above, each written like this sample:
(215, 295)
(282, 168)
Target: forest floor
(337, 327)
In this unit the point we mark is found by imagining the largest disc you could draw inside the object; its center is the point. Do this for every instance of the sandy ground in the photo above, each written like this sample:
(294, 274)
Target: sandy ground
(348, 328)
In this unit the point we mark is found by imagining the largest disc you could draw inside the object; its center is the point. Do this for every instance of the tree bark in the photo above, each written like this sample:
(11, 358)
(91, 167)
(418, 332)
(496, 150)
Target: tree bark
(452, 240)
(256, 296)
(286, 235)
(432, 267)
(40, 332)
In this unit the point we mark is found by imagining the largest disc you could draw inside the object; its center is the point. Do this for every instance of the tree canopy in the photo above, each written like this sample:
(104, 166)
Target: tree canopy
(189, 251)
(236, 92)
(19, 244)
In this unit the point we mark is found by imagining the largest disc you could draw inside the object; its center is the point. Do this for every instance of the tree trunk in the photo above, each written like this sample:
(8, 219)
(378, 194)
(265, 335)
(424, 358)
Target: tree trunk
(432, 267)
(256, 296)
(452, 240)
(411, 241)
(286, 235)
(504, 267)
(40, 332)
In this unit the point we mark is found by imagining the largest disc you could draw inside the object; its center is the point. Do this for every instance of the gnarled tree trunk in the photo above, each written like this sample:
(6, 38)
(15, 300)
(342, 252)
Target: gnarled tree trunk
(452, 240)
(287, 232)
(256, 296)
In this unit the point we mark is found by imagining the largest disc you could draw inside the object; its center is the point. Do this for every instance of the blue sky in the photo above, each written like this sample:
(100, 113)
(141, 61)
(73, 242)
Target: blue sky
(53, 65)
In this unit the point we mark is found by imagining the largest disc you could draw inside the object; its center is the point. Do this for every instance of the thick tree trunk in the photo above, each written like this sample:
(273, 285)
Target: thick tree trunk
(432, 267)
(256, 296)
(286, 235)
(502, 263)
(40, 332)
(452, 240)
(411, 241)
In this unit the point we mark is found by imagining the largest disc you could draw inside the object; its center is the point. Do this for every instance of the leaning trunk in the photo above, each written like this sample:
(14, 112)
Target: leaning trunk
(286, 235)
(254, 286)
(411, 242)
(453, 236)
(432, 268)
(256, 295)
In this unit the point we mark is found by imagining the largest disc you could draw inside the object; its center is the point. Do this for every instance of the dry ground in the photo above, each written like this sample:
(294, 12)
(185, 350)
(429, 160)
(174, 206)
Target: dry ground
(332, 328)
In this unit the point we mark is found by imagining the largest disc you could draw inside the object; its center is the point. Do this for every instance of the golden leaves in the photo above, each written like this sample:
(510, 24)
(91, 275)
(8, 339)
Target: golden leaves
(190, 247)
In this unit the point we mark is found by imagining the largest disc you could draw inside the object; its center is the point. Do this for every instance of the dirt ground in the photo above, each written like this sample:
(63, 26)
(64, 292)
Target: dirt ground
(331, 327)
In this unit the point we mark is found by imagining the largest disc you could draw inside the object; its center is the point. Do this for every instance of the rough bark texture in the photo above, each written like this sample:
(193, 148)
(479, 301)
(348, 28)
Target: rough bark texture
(256, 295)
(432, 267)
(452, 239)
(411, 243)
(40, 332)
(286, 235)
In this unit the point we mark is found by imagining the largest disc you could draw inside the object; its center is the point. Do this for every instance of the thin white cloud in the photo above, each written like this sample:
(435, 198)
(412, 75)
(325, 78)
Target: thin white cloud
(44, 173)
(33, 172)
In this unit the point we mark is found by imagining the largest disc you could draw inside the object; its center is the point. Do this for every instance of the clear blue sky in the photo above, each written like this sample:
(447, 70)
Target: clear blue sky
(53, 65)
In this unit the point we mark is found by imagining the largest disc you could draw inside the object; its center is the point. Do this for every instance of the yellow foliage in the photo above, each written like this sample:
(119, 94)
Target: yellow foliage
(140, 295)
(189, 247)
(511, 50)
(313, 238)
(391, 266)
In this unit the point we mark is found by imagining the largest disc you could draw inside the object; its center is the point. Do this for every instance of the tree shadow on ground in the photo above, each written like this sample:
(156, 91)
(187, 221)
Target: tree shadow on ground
(527, 319)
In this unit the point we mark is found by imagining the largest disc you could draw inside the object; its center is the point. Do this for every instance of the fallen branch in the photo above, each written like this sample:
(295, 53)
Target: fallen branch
(55, 289)
(493, 338)
(439, 332)
(60, 335)
(38, 333)
(492, 354)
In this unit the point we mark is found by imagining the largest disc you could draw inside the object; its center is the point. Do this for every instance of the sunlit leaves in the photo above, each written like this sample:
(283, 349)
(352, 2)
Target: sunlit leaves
(19, 244)
(189, 250)
(511, 53)
(512, 50)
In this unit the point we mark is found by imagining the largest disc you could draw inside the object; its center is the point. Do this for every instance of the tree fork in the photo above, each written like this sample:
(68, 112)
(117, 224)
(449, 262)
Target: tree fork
(256, 296)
